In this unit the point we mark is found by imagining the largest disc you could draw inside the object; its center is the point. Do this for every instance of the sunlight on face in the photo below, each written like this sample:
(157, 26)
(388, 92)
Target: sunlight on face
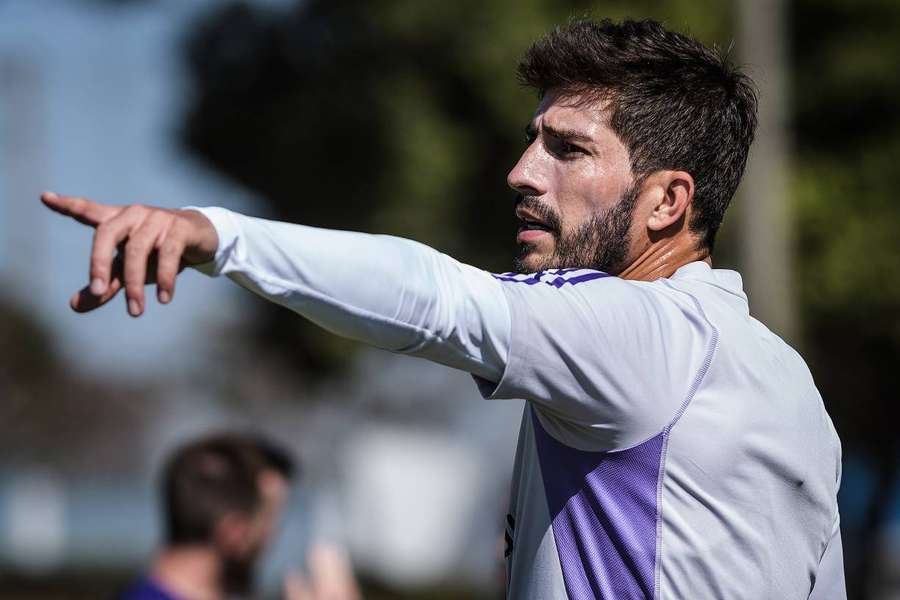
(575, 184)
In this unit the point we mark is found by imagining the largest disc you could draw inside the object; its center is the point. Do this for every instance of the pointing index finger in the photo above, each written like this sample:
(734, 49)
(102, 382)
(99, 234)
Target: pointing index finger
(81, 209)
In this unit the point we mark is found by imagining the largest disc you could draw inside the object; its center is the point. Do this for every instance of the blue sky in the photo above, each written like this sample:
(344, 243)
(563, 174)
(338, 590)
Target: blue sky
(90, 105)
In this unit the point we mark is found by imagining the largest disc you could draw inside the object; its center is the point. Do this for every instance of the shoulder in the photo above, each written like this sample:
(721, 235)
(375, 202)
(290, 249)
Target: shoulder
(564, 284)
(567, 294)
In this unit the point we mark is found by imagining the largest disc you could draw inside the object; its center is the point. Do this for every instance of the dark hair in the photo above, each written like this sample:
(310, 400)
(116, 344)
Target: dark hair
(211, 477)
(674, 103)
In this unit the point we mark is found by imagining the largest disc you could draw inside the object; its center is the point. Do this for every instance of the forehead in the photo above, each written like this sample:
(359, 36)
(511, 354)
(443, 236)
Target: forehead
(573, 112)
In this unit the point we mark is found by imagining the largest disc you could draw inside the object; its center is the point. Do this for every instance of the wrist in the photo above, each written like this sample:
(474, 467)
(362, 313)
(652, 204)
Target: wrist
(203, 242)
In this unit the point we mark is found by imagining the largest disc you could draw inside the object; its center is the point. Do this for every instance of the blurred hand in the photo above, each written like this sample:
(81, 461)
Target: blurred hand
(154, 245)
(330, 577)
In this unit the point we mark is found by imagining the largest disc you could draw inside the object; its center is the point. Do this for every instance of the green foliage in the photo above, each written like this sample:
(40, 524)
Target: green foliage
(847, 132)
(846, 127)
(393, 116)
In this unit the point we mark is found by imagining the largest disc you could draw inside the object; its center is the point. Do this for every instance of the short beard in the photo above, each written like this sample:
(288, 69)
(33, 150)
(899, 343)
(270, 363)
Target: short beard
(239, 577)
(600, 244)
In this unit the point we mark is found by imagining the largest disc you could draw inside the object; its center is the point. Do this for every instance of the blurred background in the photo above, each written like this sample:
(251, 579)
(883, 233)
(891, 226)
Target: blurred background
(400, 117)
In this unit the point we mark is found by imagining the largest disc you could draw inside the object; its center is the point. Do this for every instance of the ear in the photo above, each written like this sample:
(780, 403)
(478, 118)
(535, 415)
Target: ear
(673, 194)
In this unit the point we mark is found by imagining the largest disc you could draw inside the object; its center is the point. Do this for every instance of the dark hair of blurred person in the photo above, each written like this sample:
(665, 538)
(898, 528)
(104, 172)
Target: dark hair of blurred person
(222, 496)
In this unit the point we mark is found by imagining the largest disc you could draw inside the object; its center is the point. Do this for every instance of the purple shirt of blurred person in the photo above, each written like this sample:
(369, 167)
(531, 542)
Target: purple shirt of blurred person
(146, 589)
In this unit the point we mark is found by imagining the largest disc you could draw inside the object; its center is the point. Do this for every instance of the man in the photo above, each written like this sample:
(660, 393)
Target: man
(671, 446)
(222, 497)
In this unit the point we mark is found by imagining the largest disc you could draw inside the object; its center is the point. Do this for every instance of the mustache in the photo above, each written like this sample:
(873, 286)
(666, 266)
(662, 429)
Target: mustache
(541, 210)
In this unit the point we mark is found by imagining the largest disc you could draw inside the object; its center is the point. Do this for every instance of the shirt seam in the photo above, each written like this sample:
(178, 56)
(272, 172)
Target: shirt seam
(692, 391)
(507, 377)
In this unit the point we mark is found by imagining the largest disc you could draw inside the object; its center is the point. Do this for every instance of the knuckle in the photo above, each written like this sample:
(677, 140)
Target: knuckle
(154, 223)
(165, 280)
(160, 222)
(177, 230)
(172, 246)
(102, 232)
(182, 220)
(136, 248)
(135, 211)
(133, 285)
(134, 278)
(106, 233)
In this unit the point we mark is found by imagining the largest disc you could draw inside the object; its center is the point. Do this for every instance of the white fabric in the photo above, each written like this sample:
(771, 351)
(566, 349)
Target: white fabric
(752, 464)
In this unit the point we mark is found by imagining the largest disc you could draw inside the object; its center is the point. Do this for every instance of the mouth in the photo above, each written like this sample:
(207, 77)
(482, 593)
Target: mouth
(531, 227)
(528, 221)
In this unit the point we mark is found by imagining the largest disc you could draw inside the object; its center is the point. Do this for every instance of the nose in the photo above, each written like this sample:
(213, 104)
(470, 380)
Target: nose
(525, 177)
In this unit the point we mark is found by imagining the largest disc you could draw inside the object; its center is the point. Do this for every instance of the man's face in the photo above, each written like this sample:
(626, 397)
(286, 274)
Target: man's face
(576, 191)
(257, 531)
(273, 490)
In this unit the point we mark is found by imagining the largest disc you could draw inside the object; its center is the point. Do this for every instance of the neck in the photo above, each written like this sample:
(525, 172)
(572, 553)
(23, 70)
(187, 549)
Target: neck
(663, 256)
(189, 572)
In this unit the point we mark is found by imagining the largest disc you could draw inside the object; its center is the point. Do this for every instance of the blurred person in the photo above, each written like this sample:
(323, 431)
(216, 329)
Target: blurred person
(671, 446)
(222, 497)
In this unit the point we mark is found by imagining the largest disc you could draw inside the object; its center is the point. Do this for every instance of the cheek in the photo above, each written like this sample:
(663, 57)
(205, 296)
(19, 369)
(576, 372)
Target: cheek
(585, 191)
(581, 193)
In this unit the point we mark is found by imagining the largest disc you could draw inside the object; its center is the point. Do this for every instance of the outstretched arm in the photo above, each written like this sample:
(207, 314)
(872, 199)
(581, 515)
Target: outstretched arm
(565, 339)
(385, 291)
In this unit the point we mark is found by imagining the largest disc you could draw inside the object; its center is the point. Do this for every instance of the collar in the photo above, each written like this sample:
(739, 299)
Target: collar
(724, 279)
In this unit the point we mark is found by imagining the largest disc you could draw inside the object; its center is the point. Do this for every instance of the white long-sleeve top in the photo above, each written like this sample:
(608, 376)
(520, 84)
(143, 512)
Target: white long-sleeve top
(385, 291)
(671, 445)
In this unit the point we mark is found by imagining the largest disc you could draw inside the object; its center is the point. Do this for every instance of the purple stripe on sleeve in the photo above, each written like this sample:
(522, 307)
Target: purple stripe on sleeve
(560, 280)
(529, 280)
(564, 271)
(513, 274)
(603, 507)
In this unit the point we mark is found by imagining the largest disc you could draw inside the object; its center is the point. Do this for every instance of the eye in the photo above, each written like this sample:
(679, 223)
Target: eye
(564, 149)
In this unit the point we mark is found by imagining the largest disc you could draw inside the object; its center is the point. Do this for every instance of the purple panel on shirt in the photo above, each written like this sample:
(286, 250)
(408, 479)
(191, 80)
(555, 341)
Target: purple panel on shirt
(603, 506)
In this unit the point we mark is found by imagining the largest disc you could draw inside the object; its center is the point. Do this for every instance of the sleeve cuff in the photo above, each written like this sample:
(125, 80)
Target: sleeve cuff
(226, 230)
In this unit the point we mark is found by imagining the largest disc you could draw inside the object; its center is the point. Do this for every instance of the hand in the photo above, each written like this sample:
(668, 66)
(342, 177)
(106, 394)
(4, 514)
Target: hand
(154, 245)
(330, 576)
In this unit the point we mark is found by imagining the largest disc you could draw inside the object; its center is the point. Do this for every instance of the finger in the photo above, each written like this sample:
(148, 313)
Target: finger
(81, 209)
(85, 300)
(168, 265)
(141, 242)
(296, 587)
(109, 235)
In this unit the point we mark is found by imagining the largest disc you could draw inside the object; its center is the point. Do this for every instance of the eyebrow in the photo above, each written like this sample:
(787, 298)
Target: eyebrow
(568, 135)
